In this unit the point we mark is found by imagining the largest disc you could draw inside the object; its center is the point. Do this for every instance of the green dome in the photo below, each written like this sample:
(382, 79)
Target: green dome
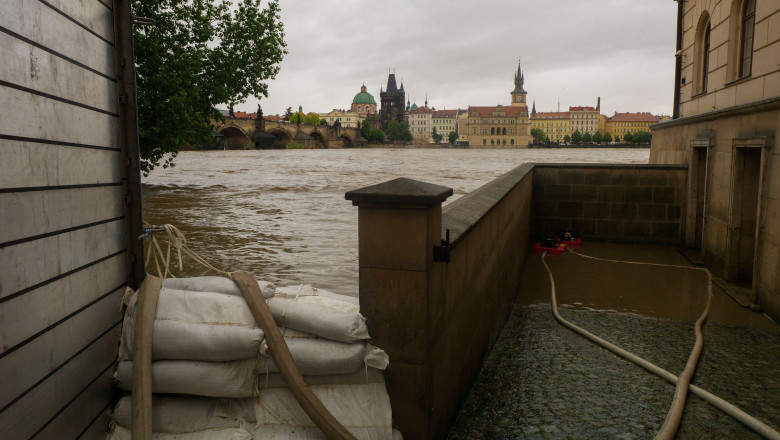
(363, 97)
(413, 107)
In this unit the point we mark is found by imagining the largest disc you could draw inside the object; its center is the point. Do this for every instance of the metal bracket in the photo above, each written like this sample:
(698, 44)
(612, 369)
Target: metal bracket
(442, 253)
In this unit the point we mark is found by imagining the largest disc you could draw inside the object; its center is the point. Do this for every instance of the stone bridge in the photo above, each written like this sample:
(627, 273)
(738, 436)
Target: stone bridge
(242, 133)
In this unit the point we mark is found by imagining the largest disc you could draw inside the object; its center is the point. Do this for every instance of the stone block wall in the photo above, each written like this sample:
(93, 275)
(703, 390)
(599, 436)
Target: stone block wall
(623, 203)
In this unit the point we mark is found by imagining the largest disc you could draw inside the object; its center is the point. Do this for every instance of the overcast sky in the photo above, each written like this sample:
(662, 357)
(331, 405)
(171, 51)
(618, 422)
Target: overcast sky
(463, 53)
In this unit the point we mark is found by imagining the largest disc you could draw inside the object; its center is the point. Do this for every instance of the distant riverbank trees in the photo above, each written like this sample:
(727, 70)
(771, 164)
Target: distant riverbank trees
(196, 56)
(372, 134)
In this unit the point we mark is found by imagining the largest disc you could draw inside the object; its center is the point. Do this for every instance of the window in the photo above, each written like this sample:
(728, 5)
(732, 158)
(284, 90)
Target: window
(746, 40)
(484, 141)
(702, 54)
(492, 130)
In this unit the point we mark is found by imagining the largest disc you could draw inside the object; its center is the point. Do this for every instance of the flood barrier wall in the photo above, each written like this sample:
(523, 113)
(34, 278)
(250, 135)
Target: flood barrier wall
(436, 319)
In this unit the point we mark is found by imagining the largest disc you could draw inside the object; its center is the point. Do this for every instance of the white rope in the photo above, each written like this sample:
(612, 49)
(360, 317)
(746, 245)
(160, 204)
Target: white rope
(178, 242)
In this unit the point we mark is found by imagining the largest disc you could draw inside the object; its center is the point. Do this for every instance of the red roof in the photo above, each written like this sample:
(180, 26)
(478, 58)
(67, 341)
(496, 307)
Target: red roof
(445, 113)
(422, 109)
(551, 115)
(582, 109)
(511, 111)
(273, 118)
(634, 117)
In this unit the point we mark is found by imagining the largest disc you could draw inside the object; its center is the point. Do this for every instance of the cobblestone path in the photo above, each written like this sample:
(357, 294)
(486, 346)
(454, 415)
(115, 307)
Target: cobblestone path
(542, 381)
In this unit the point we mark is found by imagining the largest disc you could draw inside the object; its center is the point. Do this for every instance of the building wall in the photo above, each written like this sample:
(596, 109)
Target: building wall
(724, 89)
(444, 126)
(721, 138)
(420, 125)
(484, 130)
(584, 121)
(64, 242)
(554, 126)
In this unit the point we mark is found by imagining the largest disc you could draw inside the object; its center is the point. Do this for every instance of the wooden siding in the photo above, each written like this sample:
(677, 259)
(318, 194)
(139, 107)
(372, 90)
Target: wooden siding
(63, 256)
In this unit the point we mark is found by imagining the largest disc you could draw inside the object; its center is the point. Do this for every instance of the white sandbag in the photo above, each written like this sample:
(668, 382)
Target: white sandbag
(234, 379)
(308, 290)
(122, 433)
(196, 325)
(324, 316)
(181, 414)
(215, 284)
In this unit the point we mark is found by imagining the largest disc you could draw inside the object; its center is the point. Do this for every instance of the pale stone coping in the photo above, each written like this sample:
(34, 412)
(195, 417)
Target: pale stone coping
(462, 215)
(737, 110)
(401, 191)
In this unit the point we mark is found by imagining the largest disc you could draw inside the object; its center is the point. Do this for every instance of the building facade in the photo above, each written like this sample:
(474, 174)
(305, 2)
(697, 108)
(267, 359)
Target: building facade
(346, 119)
(393, 99)
(445, 121)
(622, 123)
(420, 124)
(585, 119)
(363, 103)
(725, 127)
(502, 126)
(554, 124)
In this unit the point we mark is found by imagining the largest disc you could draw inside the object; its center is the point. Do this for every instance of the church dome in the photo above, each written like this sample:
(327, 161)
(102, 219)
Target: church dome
(363, 97)
(413, 107)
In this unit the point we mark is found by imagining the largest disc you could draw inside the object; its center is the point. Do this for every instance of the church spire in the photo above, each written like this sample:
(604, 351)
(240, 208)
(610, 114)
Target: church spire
(533, 110)
(519, 80)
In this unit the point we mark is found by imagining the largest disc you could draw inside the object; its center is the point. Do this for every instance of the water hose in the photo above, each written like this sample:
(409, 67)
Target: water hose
(728, 408)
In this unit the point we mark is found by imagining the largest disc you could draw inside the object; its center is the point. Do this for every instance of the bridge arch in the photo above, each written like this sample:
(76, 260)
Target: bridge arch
(282, 137)
(319, 139)
(346, 140)
(235, 137)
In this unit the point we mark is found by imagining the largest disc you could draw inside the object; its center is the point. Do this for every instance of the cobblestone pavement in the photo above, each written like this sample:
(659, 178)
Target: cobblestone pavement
(543, 381)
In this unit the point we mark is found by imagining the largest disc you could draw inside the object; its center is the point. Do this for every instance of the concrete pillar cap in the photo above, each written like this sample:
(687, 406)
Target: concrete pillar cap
(400, 191)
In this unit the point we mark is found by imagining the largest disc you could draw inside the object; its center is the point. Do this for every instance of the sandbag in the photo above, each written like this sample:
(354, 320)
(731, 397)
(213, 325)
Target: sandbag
(182, 414)
(234, 379)
(196, 325)
(323, 316)
(308, 290)
(215, 284)
(122, 433)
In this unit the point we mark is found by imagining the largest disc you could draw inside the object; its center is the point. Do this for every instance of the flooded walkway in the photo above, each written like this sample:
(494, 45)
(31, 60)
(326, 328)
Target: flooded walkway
(542, 381)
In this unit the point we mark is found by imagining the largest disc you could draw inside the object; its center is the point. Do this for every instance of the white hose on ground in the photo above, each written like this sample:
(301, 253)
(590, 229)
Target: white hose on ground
(728, 408)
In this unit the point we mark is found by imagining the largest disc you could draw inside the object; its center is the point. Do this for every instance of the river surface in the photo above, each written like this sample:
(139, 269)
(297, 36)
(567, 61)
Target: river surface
(281, 214)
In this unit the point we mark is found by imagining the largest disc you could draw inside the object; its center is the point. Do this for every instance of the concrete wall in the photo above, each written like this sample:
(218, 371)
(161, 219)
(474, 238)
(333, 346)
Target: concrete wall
(625, 203)
(721, 138)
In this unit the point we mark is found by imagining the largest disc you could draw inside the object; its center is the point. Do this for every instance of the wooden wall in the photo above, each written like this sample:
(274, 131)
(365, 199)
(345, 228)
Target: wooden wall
(63, 257)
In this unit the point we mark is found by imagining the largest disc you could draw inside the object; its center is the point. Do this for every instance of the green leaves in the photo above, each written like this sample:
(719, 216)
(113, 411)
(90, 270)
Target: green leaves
(199, 54)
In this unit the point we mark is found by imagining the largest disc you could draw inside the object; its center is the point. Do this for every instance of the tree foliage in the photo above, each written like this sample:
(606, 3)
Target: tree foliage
(576, 137)
(287, 114)
(617, 138)
(567, 138)
(437, 137)
(398, 131)
(198, 54)
(642, 137)
(607, 138)
(628, 137)
(538, 134)
(597, 138)
(452, 137)
(587, 137)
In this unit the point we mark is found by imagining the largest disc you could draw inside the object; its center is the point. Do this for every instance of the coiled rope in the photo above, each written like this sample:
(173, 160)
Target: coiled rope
(178, 242)
(672, 420)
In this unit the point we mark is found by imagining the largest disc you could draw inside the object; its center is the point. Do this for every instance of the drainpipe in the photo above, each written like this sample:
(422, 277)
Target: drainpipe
(678, 60)
(128, 140)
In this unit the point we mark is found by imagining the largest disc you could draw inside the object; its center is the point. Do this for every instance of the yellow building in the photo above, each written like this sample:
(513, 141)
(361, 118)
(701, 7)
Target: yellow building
(554, 124)
(500, 126)
(622, 123)
(585, 119)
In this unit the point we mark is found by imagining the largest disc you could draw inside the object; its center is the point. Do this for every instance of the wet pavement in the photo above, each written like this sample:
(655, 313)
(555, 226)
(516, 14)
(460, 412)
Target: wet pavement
(542, 381)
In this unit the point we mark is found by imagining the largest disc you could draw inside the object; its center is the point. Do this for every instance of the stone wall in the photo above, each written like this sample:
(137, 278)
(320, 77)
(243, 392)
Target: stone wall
(719, 148)
(623, 203)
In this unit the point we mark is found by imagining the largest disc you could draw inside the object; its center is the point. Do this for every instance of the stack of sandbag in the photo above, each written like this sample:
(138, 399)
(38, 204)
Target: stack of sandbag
(213, 377)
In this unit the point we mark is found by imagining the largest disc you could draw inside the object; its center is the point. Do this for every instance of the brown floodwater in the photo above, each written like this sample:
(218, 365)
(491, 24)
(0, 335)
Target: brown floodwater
(281, 214)
(658, 291)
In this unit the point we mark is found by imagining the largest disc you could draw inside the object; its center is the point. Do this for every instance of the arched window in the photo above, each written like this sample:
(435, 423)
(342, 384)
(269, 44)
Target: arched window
(511, 141)
(702, 52)
(503, 131)
(492, 130)
(484, 141)
(503, 142)
(746, 40)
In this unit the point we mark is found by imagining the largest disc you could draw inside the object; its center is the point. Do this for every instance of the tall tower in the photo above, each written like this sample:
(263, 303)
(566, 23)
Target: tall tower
(518, 94)
(392, 100)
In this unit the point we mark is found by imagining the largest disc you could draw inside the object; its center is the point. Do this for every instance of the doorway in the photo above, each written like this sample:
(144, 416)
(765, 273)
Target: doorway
(743, 221)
